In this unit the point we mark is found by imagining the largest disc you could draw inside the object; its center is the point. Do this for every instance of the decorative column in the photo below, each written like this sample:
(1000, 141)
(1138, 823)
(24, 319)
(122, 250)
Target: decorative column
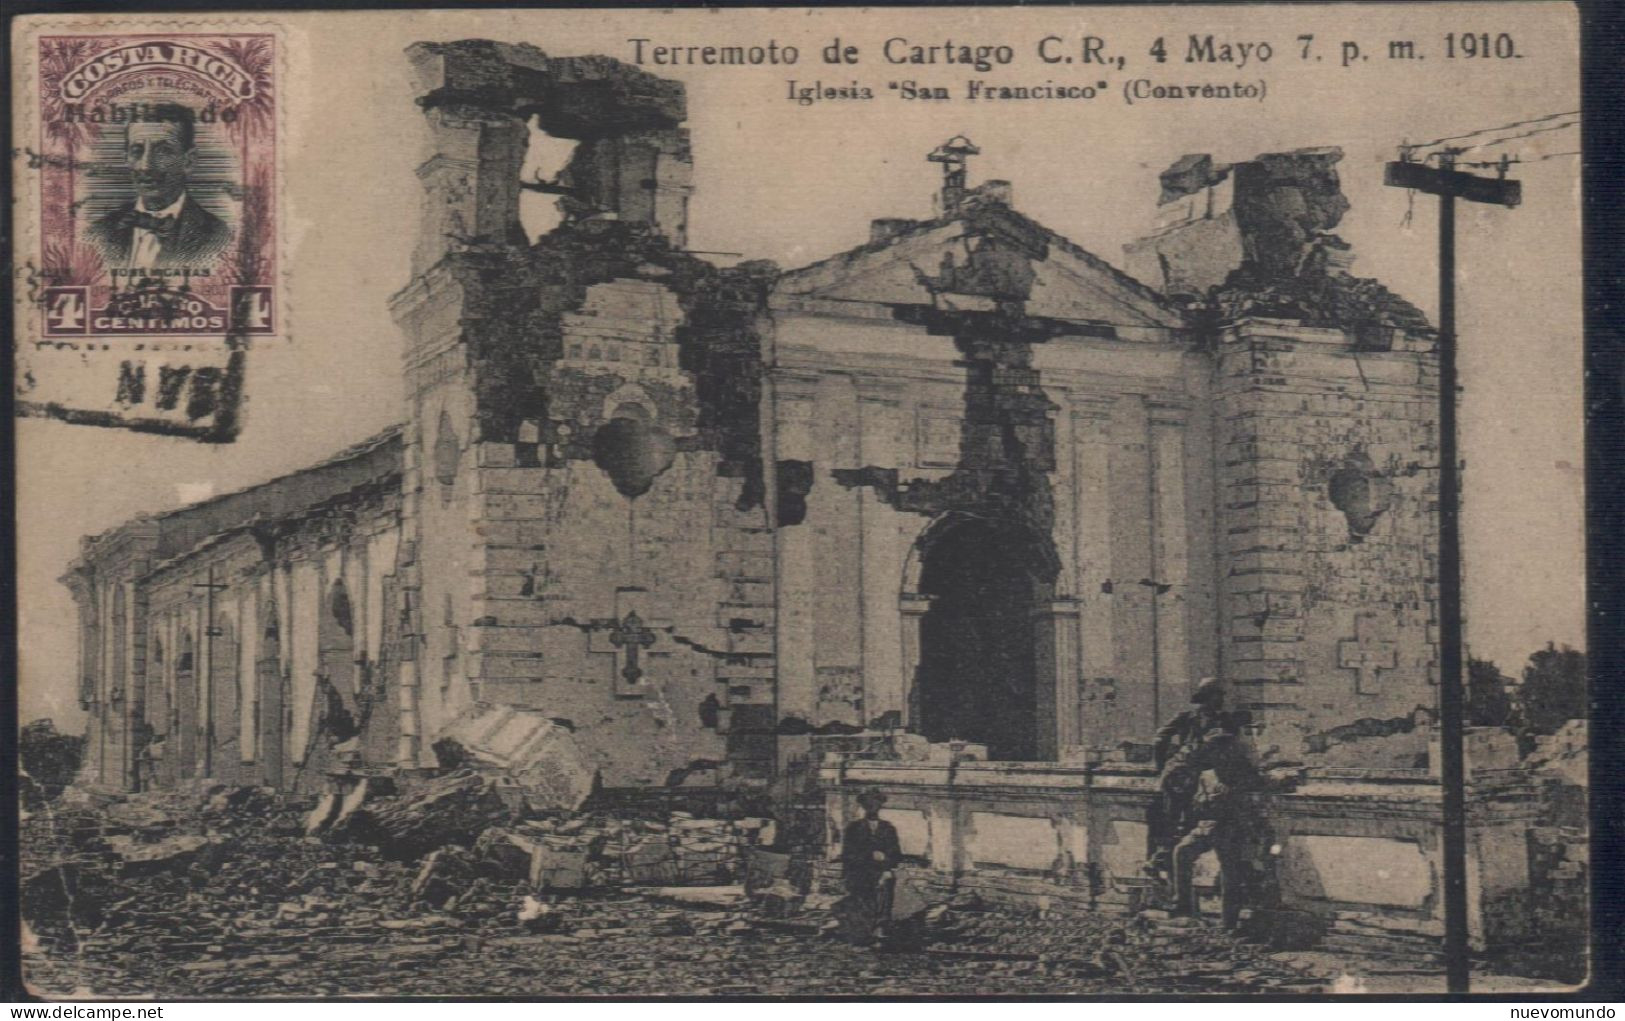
(80, 580)
(408, 634)
(119, 760)
(792, 403)
(169, 724)
(1090, 425)
(248, 679)
(1132, 588)
(837, 596)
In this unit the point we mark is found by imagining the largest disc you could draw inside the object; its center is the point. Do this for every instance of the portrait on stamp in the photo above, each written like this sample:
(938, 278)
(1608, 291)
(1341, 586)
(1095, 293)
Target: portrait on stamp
(164, 225)
(158, 211)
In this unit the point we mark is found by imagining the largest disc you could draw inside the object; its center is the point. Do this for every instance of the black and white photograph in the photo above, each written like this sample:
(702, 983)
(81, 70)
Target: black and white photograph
(813, 503)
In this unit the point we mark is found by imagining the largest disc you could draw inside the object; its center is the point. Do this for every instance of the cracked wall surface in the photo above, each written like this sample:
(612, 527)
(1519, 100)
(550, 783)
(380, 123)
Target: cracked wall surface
(603, 383)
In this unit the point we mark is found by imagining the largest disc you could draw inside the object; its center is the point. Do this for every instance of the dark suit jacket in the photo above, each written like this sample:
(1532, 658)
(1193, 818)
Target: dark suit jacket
(858, 847)
(198, 235)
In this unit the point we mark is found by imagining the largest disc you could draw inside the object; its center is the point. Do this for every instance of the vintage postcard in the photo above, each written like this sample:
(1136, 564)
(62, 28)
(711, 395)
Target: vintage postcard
(801, 502)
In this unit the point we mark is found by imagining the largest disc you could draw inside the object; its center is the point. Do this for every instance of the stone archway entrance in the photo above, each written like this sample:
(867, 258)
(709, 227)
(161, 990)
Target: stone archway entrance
(985, 664)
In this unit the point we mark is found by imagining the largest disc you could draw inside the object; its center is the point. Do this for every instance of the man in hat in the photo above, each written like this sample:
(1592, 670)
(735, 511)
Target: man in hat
(1217, 818)
(1179, 755)
(1185, 731)
(869, 853)
(1205, 773)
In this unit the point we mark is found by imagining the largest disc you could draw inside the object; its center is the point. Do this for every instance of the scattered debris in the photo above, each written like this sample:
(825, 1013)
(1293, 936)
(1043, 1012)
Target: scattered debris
(210, 890)
(442, 811)
(47, 762)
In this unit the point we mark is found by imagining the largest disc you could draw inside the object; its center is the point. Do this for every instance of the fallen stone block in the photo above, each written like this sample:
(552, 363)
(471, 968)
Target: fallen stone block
(176, 854)
(444, 874)
(322, 816)
(649, 863)
(359, 792)
(537, 917)
(537, 758)
(780, 900)
(764, 869)
(559, 870)
(700, 896)
(507, 855)
(453, 809)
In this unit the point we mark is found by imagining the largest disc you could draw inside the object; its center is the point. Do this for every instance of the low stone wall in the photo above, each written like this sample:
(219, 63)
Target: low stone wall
(1007, 831)
(1355, 854)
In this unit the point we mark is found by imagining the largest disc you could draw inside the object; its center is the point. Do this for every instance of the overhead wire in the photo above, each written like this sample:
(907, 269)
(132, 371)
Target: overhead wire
(1513, 138)
(1408, 150)
(1413, 147)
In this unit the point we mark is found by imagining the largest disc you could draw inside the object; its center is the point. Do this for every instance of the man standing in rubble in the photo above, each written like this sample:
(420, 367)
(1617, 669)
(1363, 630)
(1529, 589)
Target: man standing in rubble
(869, 854)
(1176, 753)
(1203, 779)
(1202, 772)
(1218, 816)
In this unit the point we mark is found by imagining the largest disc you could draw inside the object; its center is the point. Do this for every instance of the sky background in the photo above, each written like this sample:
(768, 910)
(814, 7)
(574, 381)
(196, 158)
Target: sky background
(795, 184)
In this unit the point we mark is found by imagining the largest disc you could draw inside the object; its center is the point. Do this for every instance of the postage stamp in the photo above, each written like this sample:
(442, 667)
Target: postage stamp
(154, 174)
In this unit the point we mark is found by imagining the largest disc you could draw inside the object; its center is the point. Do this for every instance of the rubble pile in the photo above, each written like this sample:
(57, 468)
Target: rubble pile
(1076, 951)
(215, 891)
(1387, 944)
(536, 755)
(209, 889)
(601, 850)
(1564, 755)
(47, 762)
(1559, 870)
(445, 810)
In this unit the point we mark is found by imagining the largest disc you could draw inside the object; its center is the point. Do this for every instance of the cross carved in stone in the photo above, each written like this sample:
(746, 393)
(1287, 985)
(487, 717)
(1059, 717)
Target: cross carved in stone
(1367, 653)
(627, 637)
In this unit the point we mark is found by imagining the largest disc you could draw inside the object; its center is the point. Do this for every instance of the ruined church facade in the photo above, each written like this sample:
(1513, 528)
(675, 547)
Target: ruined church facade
(967, 481)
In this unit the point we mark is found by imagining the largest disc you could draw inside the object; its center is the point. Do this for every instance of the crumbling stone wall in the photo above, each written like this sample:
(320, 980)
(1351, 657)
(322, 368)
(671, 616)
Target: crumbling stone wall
(105, 581)
(1328, 611)
(151, 682)
(604, 516)
(1325, 404)
(1258, 238)
(980, 370)
(584, 407)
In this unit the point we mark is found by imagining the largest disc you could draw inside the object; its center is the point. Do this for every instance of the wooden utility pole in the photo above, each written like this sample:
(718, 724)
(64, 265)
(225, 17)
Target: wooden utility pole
(1450, 184)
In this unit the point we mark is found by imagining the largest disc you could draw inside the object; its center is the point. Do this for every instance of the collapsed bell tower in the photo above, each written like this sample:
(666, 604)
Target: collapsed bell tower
(584, 517)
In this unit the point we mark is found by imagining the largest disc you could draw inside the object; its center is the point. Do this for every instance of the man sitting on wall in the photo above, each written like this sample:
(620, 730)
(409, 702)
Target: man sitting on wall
(869, 854)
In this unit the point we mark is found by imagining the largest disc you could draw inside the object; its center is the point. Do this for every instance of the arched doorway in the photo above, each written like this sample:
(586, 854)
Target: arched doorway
(982, 639)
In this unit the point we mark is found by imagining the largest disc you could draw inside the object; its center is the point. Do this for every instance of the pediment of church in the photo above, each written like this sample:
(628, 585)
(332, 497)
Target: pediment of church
(981, 258)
